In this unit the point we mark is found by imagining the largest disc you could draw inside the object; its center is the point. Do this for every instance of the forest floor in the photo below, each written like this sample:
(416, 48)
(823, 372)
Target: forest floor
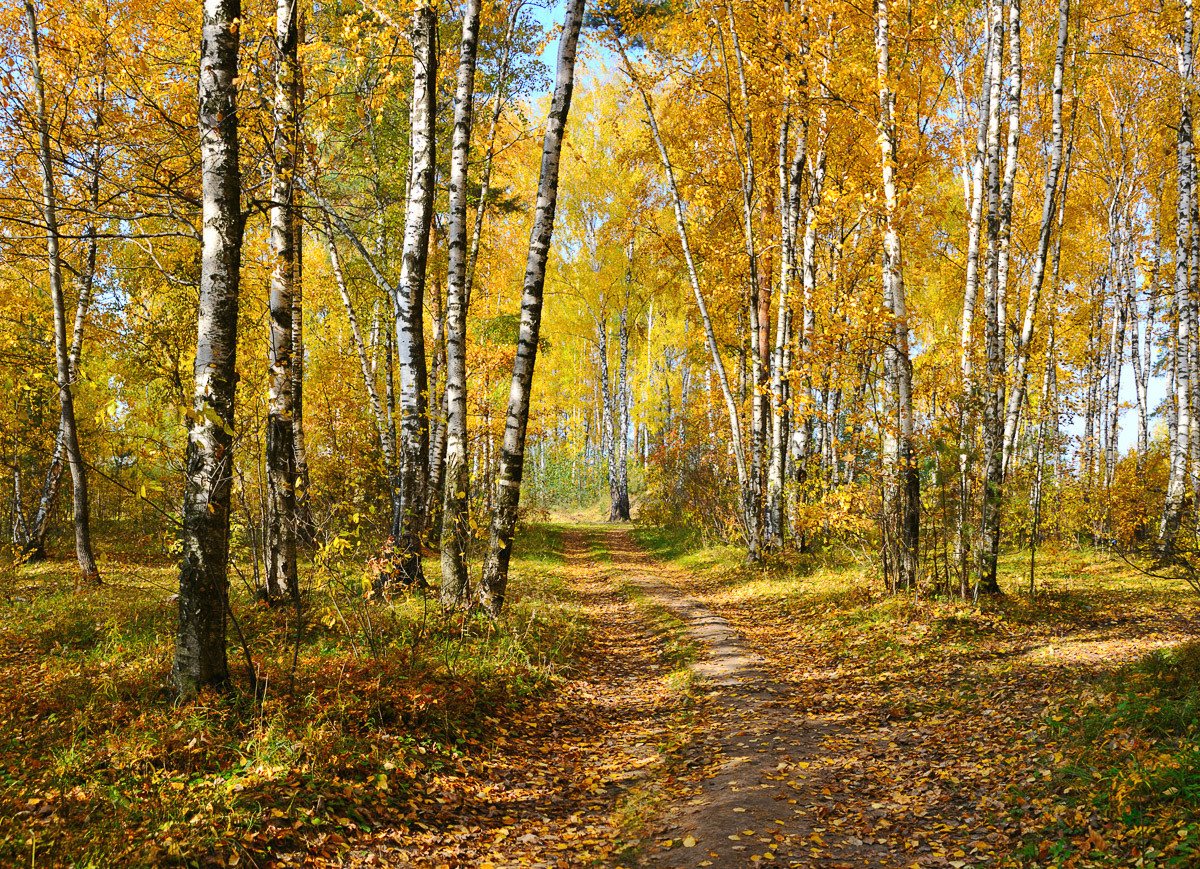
(646, 702)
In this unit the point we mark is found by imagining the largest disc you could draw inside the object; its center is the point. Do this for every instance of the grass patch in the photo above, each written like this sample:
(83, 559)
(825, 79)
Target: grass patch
(99, 767)
(1131, 765)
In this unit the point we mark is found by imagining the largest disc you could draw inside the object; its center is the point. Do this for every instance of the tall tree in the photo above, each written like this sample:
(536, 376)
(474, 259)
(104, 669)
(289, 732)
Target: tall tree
(1016, 399)
(748, 495)
(455, 512)
(1182, 304)
(408, 522)
(512, 457)
(31, 538)
(902, 497)
(281, 579)
(69, 433)
(200, 659)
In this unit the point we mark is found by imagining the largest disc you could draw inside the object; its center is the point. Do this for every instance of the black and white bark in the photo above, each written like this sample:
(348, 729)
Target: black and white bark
(758, 321)
(489, 151)
(902, 495)
(619, 507)
(773, 526)
(281, 578)
(455, 505)
(31, 537)
(999, 222)
(408, 523)
(200, 659)
(749, 505)
(1016, 399)
(989, 97)
(387, 447)
(1178, 474)
(494, 582)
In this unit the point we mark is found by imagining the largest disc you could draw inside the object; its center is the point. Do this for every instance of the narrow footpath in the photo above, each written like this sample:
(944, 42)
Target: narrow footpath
(755, 796)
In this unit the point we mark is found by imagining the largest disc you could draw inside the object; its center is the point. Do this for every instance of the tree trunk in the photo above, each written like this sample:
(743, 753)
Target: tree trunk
(620, 511)
(408, 522)
(773, 531)
(1016, 399)
(67, 425)
(979, 171)
(756, 380)
(386, 445)
(902, 502)
(32, 538)
(203, 581)
(281, 580)
(434, 485)
(1178, 475)
(306, 529)
(995, 324)
(456, 491)
(512, 460)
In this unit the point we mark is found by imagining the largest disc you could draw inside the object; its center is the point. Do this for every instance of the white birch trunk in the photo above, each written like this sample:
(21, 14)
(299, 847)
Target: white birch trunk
(494, 582)
(455, 506)
(200, 659)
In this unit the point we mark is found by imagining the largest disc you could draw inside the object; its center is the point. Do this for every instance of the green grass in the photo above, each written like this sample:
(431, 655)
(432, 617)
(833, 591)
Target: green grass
(99, 767)
(1117, 779)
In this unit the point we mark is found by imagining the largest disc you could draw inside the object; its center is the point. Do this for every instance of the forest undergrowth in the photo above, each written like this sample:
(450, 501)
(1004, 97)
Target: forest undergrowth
(1058, 731)
(340, 730)
(1054, 732)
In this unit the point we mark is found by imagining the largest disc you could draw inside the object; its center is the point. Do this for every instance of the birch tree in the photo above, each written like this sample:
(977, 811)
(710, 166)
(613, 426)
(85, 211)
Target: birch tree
(200, 659)
(494, 581)
(455, 514)
(69, 433)
(1177, 481)
(281, 578)
(408, 523)
(902, 496)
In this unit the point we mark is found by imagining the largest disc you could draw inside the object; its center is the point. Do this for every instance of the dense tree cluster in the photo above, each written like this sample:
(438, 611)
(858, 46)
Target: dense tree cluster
(818, 273)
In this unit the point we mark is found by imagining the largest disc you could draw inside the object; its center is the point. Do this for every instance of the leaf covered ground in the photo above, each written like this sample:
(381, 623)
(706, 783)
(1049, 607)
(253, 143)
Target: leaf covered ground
(1060, 731)
(900, 732)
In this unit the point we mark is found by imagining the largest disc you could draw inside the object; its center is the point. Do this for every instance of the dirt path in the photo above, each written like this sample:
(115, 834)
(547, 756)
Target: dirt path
(561, 785)
(757, 797)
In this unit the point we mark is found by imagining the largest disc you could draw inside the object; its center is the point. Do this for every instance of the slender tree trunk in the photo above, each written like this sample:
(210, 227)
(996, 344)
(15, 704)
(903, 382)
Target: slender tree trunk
(995, 324)
(773, 531)
(305, 526)
(902, 504)
(1178, 475)
(808, 258)
(281, 578)
(1116, 359)
(608, 411)
(1143, 351)
(1016, 399)
(435, 485)
(203, 581)
(408, 523)
(512, 461)
(621, 504)
(979, 171)
(386, 445)
(32, 538)
(758, 324)
(455, 505)
(67, 423)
